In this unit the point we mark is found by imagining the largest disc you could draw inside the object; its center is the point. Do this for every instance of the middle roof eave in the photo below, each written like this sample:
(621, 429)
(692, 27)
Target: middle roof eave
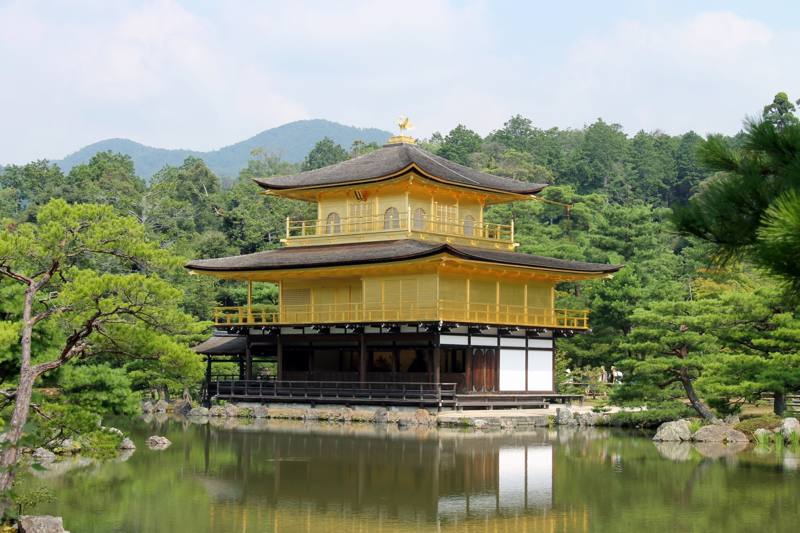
(298, 257)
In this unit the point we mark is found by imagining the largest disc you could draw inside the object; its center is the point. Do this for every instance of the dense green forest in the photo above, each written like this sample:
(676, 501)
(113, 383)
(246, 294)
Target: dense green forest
(688, 315)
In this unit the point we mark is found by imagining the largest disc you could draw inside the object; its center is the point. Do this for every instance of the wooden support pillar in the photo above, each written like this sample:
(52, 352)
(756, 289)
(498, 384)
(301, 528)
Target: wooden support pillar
(249, 302)
(248, 355)
(279, 354)
(468, 353)
(310, 356)
(437, 363)
(362, 361)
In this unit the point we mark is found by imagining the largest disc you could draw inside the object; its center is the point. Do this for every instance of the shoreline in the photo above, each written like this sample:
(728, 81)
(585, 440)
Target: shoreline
(400, 416)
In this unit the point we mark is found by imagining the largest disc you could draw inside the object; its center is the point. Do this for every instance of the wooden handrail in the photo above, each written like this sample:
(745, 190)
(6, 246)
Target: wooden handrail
(405, 221)
(447, 310)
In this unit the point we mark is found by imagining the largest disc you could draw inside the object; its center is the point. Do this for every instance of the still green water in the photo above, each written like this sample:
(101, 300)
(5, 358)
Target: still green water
(286, 477)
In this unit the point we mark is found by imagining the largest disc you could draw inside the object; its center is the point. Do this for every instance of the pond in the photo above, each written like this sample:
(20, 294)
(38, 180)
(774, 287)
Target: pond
(291, 476)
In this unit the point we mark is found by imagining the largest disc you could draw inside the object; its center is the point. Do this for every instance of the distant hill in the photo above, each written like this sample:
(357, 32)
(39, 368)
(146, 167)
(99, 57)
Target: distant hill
(291, 141)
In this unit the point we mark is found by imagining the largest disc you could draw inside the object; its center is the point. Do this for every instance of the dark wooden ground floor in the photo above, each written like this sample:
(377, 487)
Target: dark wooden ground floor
(397, 366)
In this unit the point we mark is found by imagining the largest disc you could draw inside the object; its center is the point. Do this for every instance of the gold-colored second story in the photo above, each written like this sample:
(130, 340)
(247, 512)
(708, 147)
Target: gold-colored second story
(397, 192)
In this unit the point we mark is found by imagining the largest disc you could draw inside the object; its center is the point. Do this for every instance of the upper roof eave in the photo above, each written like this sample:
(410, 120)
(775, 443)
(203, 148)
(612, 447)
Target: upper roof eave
(392, 161)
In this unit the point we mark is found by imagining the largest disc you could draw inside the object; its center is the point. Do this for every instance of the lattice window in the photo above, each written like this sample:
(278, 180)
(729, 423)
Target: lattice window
(469, 225)
(418, 221)
(391, 218)
(333, 224)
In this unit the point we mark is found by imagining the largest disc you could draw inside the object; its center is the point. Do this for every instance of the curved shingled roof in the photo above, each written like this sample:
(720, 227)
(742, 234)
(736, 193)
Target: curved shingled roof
(384, 252)
(222, 345)
(392, 160)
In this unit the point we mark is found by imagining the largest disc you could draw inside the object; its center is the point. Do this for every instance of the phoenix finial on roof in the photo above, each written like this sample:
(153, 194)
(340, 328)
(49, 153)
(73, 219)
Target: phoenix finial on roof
(404, 123)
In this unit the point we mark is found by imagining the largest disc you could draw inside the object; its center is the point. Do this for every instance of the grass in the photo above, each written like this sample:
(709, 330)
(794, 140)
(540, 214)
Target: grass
(764, 439)
(749, 426)
(695, 424)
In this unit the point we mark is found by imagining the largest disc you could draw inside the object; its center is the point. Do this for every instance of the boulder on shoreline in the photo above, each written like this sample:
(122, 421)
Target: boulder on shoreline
(42, 455)
(564, 417)
(592, 419)
(216, 410)
(127, 444)
(41, 524)
(199, 411)
(182, 407)
(719, 433)
(675, 431)
(156, 442)
(231, 410)
(790, 426)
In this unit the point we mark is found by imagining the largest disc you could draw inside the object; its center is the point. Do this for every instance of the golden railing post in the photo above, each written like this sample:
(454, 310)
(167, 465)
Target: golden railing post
(250, 301)
(288, 223)
(512, 230)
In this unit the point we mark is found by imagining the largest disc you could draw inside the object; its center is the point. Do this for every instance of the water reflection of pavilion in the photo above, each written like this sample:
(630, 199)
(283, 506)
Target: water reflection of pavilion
(430, 476)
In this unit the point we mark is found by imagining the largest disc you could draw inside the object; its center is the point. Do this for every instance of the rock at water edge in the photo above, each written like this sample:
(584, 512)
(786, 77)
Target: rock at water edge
(42, 455)
(231, 410)
(127, 444)
(41, 524)
(564, 417)
(199, 411)
(719, 433)
(789, 426)
(158, 443)
(675, 431)
(216, 410)
(182, 407)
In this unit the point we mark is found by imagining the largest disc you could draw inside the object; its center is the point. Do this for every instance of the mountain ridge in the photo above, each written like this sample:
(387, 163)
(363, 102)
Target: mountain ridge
(292, 141)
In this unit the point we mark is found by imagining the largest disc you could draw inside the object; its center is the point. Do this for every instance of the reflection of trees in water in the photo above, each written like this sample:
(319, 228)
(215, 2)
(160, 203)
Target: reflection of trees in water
(362, 477)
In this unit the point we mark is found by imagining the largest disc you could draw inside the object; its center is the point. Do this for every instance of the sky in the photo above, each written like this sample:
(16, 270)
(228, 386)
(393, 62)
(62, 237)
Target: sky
(204, 74)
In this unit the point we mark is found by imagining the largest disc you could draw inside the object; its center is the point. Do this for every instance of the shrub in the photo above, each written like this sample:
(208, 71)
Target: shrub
(749, 426)
(101, 444)
(651, 418)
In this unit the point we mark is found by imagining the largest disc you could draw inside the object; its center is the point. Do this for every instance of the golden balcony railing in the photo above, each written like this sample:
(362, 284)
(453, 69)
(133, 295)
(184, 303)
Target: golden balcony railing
(448, 311)
(331, 229)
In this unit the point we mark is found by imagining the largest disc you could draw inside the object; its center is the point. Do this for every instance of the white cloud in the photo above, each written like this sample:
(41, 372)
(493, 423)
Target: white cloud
(182, 75)
(705, 73)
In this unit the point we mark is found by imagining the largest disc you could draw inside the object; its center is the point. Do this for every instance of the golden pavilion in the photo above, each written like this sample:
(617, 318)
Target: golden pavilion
(398, 292)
